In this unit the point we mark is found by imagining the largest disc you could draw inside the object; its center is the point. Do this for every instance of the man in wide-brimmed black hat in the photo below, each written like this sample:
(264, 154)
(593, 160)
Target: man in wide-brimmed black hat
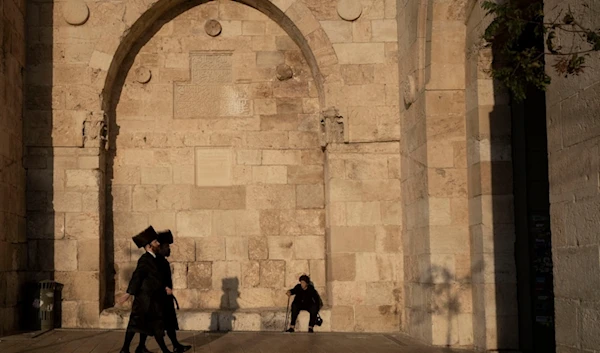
(165, 239)
(149, 291)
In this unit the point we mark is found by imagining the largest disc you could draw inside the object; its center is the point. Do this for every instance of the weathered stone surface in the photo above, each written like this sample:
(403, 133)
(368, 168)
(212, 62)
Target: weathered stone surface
(221, 198)
(210, 249)
(272, 273)
(310, 196)
(199, 275)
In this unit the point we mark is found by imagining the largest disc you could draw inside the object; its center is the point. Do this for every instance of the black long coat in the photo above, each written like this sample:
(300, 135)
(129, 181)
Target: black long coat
(169, 314)
(149, 293)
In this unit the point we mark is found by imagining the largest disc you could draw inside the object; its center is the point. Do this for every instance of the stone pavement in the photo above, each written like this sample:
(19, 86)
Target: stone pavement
(91, 341)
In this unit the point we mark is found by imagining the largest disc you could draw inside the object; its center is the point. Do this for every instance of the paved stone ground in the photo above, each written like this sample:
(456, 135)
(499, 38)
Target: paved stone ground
(89, 341)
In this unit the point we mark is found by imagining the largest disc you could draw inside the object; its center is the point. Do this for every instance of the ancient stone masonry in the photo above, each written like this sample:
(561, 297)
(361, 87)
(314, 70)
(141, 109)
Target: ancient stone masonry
(13, 242)
(347, 139)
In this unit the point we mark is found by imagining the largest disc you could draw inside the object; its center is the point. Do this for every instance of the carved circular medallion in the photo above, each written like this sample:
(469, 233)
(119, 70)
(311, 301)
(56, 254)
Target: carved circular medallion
(349, 10)
(213, 28)
(409, 90)
(284, 72)
(143, 74)
(76, 12)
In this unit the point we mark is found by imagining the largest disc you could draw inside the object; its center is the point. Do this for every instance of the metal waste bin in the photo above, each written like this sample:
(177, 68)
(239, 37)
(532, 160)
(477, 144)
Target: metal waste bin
(47, 303)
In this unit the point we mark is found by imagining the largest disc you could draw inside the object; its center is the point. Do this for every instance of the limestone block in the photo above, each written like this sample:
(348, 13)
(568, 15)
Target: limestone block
(381, 293)
(302, 222)
(183, 249)
(358, 74)
(249, 157)
(257, 298)
(194, 320)
(338, 31)
(83, 178)
(179, 275)
(157, 175)
(69, 313)
(342, 267)
(390, 9)
(361, 31)
(223, 198)
(88, 255)
(367, 267)
(310, 196)
(388, 239)
(312, 157)
(337, 214)
(127, 175)
(269, 174)
(79, 285)
(384, 30)
(272, 273)
(303, 139)
(305, 174)
(226, 275)
(269, 59)
(288, 106)
(281, 157)
(391, 213)
(199, 275)
(439, 211)
(245, 322)
(309, 247)
(294, 269)
(336, 169)
(261, 197)
(345, 190)
(348, 293)
(236, 248)
(210, 249)
(383, 190)
(192, 298)
(342, 318)
(65, 255)
(279, 122)
(173, 197)
(360, 53)
(265, 106)
(184, 174)
(269, 222)
(374, 123)
(213, 167)
(88, 314)
(144, 198)
(280, 247)
(363, 213)
(258, 248)
(352, 239)
(194, 223)
(82, 225)
(382, 318)
(250, 274)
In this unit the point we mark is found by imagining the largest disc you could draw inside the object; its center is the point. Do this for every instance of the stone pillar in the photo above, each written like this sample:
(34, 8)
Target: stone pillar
(364, 258)
(574, 171)
(491, 212)
(13, 241)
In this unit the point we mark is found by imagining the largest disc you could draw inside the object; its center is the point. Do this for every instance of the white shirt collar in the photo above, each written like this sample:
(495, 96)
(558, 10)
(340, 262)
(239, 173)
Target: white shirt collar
(151, 253)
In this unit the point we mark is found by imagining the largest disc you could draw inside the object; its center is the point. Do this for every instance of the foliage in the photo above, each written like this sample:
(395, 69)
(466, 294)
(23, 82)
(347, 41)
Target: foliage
(517, 34)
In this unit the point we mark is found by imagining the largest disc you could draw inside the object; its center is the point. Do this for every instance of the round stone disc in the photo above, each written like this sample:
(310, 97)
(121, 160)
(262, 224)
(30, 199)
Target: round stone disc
(284, 72)
(76, 12)
(212, 28)
(143, 74)
(349, 10)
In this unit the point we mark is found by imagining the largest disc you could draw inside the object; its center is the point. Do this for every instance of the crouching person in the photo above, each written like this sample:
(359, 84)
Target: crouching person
(306, 298)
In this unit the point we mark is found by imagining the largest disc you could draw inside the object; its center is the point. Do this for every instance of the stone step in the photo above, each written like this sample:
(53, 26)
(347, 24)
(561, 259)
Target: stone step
(252, 319)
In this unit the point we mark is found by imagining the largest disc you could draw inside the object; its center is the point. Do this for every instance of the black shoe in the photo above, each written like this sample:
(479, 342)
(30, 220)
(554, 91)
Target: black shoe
(291, 329)
(310, 330)
(181, 348)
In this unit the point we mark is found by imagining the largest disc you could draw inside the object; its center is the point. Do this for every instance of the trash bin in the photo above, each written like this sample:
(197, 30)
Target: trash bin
(47, 303)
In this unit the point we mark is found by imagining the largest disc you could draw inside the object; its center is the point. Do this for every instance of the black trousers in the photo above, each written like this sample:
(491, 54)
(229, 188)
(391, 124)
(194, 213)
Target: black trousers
(312, 308)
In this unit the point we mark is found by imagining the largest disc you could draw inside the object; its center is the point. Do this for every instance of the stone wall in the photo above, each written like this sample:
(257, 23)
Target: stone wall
(13, 243)
(219, 150)
(197, 133)
(573, 137)
(491, 211)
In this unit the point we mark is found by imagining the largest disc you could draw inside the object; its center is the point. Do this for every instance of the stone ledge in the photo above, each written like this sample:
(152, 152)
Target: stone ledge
(254, 319)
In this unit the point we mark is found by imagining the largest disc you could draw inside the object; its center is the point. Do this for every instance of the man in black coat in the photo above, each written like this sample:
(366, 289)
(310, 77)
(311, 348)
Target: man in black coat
(164, 267)
(149, 291)
(306, 298)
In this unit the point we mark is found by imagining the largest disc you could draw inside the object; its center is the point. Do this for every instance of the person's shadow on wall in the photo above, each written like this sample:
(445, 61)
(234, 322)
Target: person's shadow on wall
(223, 319)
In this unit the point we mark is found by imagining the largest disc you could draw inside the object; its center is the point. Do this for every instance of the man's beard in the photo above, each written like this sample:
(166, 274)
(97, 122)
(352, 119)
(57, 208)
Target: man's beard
(155, 249)
(166, 252)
